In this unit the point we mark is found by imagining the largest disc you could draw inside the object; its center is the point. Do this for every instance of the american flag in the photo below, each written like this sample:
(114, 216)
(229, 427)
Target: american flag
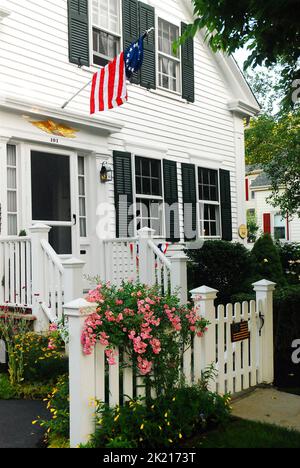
(109, 87)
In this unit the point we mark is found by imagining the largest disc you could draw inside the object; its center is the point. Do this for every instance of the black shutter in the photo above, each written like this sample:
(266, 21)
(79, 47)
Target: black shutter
(189, 197)
(148, 70)
(131, 28)
(123, 193)
(171, 201)
(79, 52)
(188, 74)
(226, 214)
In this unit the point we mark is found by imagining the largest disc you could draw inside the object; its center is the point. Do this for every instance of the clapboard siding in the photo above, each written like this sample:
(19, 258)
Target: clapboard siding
(34, 63)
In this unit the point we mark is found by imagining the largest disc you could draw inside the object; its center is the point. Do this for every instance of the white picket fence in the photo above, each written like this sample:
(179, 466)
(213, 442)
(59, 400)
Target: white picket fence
(239, 365)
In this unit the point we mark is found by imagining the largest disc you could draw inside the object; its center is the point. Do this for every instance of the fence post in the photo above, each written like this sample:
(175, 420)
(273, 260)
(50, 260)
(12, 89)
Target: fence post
(38, 232)
(264, 300)
(205, 347)
(73, 279)
(81, 375)
(147, 273)
(179, 276)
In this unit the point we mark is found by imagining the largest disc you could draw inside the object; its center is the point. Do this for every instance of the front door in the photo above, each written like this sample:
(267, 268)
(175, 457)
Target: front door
(52, 198)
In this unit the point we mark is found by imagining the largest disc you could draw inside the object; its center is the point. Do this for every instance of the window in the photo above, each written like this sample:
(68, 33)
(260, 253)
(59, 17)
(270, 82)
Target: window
(149, 200)
(106, 31)
(209, 207)
(279, 227)
(168, 61)
(82, 197)
(12, 211)
(252, 195)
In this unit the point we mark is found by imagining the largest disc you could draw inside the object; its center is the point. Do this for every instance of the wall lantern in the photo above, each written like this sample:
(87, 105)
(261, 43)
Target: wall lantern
(105, 173)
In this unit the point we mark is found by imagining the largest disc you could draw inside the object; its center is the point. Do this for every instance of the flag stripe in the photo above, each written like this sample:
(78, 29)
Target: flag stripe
(93, 93)
(109, 87)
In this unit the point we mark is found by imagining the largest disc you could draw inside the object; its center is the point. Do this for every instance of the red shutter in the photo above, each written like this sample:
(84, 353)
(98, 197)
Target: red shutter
(267, 223)
(247, 189)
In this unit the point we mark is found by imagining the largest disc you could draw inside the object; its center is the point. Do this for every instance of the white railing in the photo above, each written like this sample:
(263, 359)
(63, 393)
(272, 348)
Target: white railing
(161, 269)
(33, 276)
(139, 259)
(15, 272)
(240, 365)
(53, 288)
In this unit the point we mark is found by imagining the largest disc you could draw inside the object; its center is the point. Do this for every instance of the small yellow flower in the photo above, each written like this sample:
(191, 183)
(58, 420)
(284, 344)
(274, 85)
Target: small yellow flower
(116, 418)
(166, 414)
(171, 441)
(34, 422)
(142, 427)
(180, 435)
(174, 399)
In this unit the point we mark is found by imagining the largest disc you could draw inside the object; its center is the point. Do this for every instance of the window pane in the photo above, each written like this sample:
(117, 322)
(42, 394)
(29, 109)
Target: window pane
(146, 190)
(138, 185)
(105, 44)
(81, 186)
(11, 155)
(83, 232)
(12, 227)
(11, 178)
(167, 34)
(80, 165)
(82, 211)
(11, 202)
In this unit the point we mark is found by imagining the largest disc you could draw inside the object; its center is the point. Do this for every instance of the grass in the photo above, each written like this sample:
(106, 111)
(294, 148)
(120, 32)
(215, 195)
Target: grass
(247, 434)
(7, 392)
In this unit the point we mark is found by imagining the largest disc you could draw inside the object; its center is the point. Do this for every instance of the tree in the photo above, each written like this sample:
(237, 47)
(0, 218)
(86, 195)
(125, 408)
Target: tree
(274, 144)
(270, 30)
(267, 260)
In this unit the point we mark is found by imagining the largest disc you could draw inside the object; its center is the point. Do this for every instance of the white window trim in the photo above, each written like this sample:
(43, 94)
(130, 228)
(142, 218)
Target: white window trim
(208, 202)
(149, 197)
(84, 197)
(13, 190)
(178, 59)
(92, 26)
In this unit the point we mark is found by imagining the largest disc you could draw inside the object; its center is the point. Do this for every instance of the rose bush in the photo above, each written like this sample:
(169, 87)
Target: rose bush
(152, 329)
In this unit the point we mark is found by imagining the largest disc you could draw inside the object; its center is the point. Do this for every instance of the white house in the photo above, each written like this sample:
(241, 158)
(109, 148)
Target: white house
(269, 218)
(178, 141)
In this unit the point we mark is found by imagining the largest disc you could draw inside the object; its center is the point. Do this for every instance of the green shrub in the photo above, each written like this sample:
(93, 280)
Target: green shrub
(165, 422)
(58, 404)
(227, 267)
(41, 364)
(267, 260)
(290, 259)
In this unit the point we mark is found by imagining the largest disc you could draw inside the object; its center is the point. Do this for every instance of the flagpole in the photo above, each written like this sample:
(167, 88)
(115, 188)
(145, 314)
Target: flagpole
(87, 84)
(75, 95)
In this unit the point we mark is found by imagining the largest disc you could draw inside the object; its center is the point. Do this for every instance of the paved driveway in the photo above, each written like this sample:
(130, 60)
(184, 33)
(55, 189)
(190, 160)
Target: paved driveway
(16, 429)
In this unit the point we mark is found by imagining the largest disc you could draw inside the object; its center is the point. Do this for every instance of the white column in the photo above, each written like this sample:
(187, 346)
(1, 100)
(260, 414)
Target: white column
(179, 276)
(73, 279)
(146, 263)
(3, 186)
(205, 347)
(38, 232)
(239, 135)
(264, 300)
(81, 375)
